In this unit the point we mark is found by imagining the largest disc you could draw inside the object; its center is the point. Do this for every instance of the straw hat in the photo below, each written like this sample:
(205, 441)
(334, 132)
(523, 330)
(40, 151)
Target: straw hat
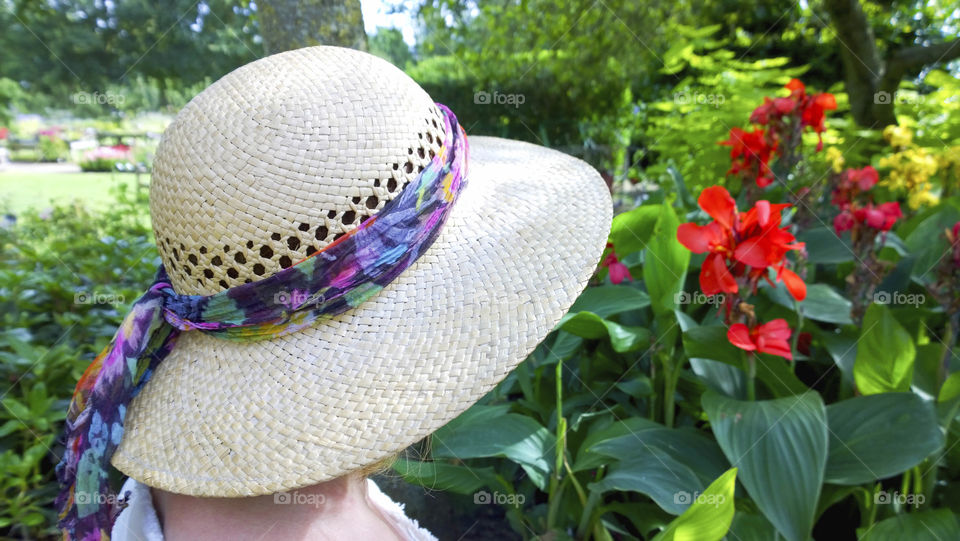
(270, 164)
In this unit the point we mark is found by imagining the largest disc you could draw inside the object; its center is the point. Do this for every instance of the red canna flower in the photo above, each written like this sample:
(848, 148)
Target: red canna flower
(750, 153)
(715, 238)
(953, 236)
(809, 110)
(736, 241)
(843, 222)
(773, 109)
(797, 88)
(853, 182)
(772, 338)
(849, 194)
(814, 113)
(880, 217)
(618, 271)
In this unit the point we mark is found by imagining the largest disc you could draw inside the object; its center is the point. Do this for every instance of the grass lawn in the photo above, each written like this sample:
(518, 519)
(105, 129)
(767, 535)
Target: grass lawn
(20, 191)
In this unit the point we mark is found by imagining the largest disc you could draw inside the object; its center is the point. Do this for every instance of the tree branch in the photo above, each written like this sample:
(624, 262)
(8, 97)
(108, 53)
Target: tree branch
(858, 50)
(912, 59)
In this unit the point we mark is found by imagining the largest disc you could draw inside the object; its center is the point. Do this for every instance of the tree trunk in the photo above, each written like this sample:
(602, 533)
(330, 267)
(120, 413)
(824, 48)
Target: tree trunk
(872, 84)
(291, 24)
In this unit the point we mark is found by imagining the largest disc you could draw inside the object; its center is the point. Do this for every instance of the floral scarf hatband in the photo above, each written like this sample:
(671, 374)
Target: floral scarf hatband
(341, 276)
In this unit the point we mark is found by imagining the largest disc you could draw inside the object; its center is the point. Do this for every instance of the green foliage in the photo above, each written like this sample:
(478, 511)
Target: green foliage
(709, 518)
(713, 87)
(82, 47)
(627, 421)
(862, 427)
(388, 44)
(665, 266)
(926, 526)
(885, 353)
(787, 431)
(65, 281)
(650, 400)
(52, 148)
(10, 94)
(98, 164)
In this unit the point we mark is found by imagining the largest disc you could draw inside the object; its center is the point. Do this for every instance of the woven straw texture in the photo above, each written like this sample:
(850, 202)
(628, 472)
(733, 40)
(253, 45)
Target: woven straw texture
(271, 163)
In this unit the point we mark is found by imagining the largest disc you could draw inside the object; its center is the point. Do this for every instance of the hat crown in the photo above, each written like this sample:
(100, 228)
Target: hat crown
(279, 158)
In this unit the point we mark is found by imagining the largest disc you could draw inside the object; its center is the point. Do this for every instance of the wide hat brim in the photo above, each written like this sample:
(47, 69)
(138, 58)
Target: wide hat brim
(231, 419)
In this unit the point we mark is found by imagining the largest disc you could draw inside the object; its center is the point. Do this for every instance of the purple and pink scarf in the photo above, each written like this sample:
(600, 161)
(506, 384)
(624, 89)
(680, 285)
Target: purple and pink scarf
(341, 276)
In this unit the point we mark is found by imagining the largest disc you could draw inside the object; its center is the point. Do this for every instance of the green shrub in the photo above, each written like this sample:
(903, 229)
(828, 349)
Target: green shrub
(52, 148)
(55, 268)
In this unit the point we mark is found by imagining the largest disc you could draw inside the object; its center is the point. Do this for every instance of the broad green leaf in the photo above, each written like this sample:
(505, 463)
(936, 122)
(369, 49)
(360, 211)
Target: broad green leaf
(878, 436)
(608, 300)
(600, 431)
(669, 483)
(443, 476)
(824, 246)
(950, 390)
(938, 525)
(589, 325)
(710, 515)
(948, 401)
(561, 347)
(821, 304)
(721, 377)
(476, 414)
(514, 436)
(751, 527)
(688, 446)
(842, 347)
(666, 262)
(780, 447)
(926, 368)
(928, 244)
(631, 230)
(885, 353)
(776, 374)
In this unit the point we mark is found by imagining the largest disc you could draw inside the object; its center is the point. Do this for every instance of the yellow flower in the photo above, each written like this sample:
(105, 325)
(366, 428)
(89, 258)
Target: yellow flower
(949, 162)
(898, 136)
(910, 171)
(835, 159)
(922, 196)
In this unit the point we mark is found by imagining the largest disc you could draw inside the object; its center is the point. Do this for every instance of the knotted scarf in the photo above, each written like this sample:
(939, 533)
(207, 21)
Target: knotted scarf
(341, 276)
